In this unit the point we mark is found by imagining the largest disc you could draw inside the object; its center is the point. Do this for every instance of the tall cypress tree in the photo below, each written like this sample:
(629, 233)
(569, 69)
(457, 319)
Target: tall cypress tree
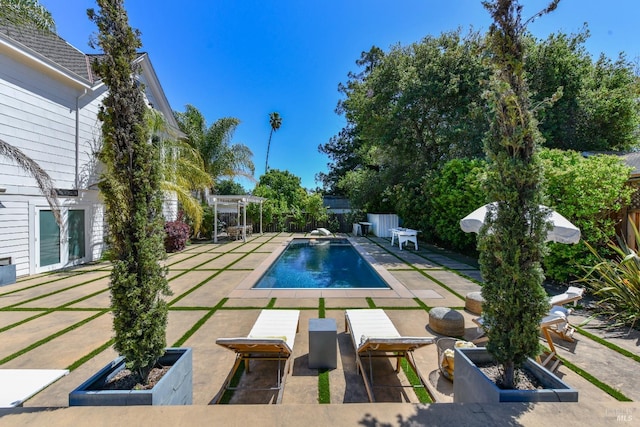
(511, 243)
(130, 187)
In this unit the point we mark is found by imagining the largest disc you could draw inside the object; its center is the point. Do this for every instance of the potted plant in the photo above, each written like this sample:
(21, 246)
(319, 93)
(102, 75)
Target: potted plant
(512, 241)
(131, 189)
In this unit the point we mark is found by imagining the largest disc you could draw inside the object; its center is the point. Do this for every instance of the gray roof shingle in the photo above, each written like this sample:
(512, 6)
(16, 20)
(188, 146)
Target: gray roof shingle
(53, 47)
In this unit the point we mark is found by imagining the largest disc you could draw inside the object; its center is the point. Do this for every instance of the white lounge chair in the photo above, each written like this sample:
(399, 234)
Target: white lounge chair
(271, 338)
(571, 295)
(18, 385)
(555, 319)
(374, 335)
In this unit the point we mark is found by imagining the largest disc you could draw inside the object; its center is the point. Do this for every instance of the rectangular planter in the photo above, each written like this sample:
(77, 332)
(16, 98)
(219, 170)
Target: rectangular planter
(174, 388)
(7, 274)
(472, 386)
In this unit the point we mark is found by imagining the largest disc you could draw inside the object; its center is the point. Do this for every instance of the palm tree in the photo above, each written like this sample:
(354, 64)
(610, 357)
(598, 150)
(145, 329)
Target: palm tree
(29, 13)
(220, 157)
(183, 169)
(276, 121)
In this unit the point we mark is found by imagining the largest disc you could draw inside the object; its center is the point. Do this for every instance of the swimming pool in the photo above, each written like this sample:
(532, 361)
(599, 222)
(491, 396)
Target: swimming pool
(320, 264)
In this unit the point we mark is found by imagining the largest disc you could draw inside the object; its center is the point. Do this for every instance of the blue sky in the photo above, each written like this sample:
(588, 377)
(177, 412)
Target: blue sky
(247, 58)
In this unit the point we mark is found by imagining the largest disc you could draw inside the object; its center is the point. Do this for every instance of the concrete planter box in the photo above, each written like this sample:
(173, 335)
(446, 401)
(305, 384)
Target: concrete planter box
(472, 386)
(7, 274)
(174, 388)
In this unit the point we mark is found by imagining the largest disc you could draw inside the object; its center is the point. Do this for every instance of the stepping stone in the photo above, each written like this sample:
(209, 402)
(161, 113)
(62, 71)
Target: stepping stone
(445, 321)
(473, 302)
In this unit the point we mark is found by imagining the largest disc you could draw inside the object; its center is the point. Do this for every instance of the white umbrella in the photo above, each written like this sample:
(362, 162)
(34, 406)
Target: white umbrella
(562, 231)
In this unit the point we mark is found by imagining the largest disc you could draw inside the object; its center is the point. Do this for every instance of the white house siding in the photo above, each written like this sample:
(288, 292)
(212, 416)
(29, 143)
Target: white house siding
(38, 116)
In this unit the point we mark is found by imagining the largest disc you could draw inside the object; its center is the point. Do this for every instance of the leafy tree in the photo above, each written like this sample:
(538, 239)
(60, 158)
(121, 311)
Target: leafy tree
(285, 198)
(227, 186)
(511, 243)
(31, 14)
(408, 112)
(598, 109)
(275, 121)
(131, 188)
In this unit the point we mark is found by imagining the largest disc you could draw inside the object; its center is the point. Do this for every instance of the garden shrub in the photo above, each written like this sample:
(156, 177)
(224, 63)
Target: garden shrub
(177, 234)
(453, 194)
(587, 191)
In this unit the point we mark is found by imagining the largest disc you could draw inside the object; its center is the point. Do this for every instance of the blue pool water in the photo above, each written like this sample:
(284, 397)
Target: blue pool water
(330, 263)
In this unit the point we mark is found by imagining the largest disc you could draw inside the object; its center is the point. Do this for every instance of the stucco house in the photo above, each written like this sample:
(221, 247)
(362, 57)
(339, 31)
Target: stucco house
(49, 101)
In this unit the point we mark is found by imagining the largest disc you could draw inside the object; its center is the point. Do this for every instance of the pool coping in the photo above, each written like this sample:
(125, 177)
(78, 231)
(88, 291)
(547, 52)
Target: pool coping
(245, 287)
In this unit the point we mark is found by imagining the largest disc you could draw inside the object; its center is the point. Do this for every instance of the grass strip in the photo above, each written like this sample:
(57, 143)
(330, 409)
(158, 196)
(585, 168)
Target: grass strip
(196, 287)
(441, 284)
(51, 337)
(56, 292)
(593, 380)
(418, 387)
(370, 302)
(324, 391)
(199, 324)
(422, 304)
(228, 394)
(608, 344)
(321, 309)
(91, 355)
(272, 303)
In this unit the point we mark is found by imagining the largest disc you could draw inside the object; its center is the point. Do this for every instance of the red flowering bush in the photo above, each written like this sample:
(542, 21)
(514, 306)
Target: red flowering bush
(177, 233)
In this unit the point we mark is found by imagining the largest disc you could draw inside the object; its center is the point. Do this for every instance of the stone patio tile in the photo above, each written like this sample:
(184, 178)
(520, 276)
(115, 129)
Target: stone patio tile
(220, 261)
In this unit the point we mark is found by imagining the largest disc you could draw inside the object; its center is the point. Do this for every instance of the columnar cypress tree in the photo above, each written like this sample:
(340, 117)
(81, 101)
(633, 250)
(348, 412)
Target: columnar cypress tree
(511, 243)
(131, 191)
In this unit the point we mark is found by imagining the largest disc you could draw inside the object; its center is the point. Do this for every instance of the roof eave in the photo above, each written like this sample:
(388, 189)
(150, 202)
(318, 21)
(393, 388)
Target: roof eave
(19, 51)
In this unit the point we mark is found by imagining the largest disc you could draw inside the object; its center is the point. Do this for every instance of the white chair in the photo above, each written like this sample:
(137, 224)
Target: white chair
(407, 235)
(357, 230)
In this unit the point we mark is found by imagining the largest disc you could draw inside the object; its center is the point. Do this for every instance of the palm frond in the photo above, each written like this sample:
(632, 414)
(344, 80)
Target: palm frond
(44, 181)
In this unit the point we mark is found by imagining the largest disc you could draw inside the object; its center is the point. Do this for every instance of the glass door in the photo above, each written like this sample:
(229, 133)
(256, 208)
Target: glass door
(60, 247)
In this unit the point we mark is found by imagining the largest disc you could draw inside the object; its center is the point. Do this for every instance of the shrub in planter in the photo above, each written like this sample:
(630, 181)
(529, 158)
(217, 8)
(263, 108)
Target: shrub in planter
(177, 234)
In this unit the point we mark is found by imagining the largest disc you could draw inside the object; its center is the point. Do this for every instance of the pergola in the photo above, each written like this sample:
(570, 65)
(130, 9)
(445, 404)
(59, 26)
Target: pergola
(239, 202)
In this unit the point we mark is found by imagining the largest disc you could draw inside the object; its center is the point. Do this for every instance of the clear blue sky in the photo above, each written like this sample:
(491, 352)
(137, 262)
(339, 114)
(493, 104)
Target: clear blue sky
(247, 58)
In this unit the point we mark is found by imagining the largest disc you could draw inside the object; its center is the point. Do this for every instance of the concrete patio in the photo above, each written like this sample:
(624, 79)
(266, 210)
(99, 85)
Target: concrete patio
(61, 321)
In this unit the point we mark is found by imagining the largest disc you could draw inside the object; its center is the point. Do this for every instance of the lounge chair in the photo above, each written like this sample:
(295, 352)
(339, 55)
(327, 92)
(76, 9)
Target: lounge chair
(571, 295)
(18, 385)
(374, 335)
(555, 319)
(271, 338)
(557, 316)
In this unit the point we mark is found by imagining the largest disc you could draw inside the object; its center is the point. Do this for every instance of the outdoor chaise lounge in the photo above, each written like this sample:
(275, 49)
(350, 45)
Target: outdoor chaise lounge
(18, 385)
(556, 317)
(571, 295)
(374, 335)
(271, 338)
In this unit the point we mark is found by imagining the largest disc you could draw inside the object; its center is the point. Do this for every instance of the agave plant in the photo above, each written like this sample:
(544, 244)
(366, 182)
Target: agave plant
(616, 282)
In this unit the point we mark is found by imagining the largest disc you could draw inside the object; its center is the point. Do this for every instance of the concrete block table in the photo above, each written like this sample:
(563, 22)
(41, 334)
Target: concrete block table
(323, 344)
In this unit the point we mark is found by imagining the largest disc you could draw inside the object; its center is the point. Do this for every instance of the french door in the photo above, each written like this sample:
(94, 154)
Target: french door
(55, 246)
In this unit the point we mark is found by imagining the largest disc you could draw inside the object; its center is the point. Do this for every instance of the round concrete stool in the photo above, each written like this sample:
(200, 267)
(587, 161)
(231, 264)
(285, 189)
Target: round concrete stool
(445, 321)
(473, 302)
